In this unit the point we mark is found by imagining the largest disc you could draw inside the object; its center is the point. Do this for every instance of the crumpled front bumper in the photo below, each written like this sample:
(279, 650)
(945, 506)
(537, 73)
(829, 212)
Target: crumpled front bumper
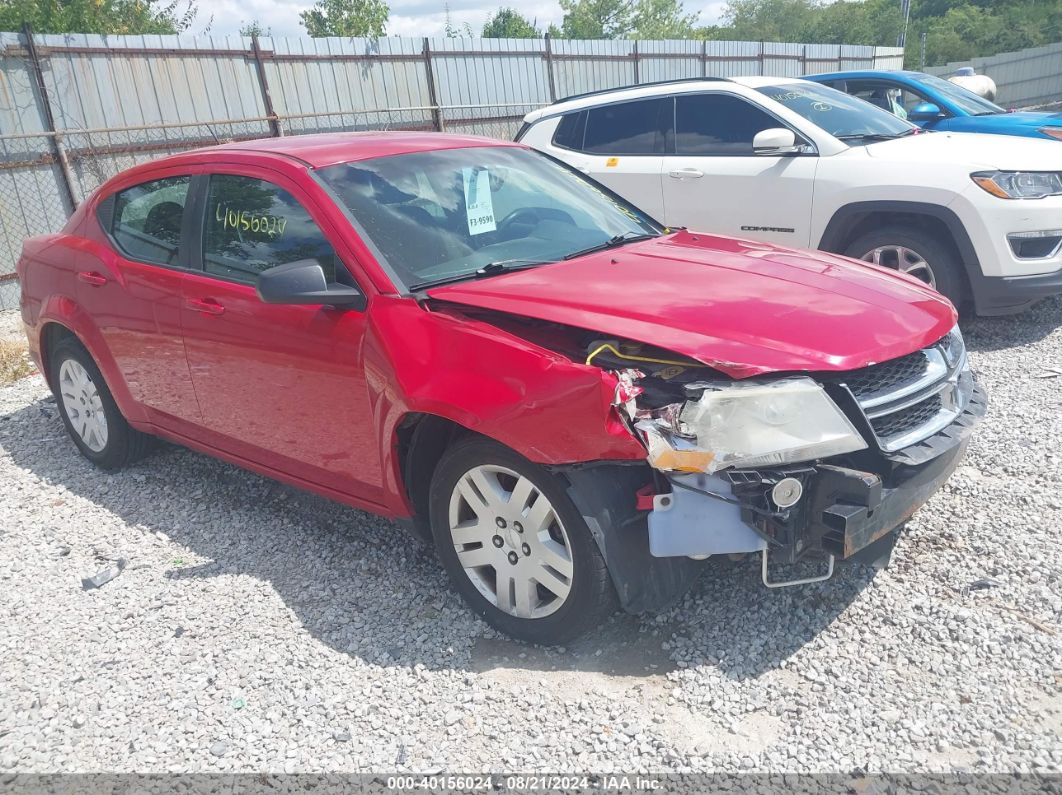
(845, 507)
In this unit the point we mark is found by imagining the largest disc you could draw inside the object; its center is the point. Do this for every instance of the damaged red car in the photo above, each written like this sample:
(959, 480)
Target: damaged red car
(575, 403)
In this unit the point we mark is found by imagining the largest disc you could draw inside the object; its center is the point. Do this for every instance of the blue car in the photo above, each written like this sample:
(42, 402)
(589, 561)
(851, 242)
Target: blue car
(935, 104)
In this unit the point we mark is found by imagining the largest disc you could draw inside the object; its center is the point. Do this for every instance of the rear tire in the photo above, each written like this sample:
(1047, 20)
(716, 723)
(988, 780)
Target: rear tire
(89, 412)
(917, 252)
(515, 547)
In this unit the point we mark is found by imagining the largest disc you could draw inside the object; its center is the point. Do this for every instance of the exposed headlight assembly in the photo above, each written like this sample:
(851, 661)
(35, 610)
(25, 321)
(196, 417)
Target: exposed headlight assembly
(1020, 184)
(749, 424)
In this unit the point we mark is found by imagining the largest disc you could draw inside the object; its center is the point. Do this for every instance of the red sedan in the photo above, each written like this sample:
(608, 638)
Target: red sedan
(576, 403)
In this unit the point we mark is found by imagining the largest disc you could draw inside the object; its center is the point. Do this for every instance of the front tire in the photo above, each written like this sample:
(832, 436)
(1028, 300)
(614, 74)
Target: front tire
(515, 547)
(916, 252)
(89, 412)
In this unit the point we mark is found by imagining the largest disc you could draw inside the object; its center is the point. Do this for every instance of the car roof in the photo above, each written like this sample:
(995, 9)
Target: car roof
(320, 150)
(865, 74)
(645, 90)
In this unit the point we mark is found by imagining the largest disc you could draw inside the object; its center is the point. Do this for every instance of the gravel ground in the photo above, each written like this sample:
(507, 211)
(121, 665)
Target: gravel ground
(257, 628)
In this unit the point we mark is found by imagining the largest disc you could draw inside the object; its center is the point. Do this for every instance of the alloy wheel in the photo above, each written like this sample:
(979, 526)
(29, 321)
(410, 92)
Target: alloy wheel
(83, 405)
(510, 542)
(903, 259)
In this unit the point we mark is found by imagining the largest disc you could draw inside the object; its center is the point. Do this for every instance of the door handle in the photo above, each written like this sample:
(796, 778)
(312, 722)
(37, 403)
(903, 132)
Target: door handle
(208, 306)
(686, 173)
(93, 278)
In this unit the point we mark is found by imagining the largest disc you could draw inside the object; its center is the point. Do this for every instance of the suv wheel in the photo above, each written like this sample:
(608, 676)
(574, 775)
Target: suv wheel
(89, 412)
(915, 252)
(515, 546)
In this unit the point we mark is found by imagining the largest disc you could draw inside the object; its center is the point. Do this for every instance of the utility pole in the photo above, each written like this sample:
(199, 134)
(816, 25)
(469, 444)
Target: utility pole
(905, 10)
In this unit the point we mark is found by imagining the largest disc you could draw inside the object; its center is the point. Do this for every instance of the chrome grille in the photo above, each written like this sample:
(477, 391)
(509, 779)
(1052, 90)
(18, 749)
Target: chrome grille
(912, 397)
(908, 419)
(884, 377)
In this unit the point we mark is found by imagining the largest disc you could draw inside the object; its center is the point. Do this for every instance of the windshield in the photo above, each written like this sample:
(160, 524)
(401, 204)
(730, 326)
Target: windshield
(842, 116)
(447, 214)
(965, 100)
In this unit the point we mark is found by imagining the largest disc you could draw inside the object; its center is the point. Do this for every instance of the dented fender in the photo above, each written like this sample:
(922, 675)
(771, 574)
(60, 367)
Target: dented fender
(535, 401)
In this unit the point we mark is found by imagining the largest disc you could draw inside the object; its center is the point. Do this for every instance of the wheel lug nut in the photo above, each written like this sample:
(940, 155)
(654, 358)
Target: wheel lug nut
(498, 541)
(526, 549)
(500, 522)
(518, 527)
(513, 558)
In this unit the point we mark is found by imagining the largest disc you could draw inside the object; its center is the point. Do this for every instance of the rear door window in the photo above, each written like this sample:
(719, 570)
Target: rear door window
(252, 225)
(627, 128)
(718, 125)
(145, 221)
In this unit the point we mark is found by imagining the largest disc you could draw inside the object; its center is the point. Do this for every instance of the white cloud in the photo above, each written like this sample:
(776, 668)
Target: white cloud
(408, 17)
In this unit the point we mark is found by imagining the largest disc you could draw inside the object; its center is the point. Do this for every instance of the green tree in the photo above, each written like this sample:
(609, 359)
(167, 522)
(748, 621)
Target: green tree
(99, 16)
(768, 20)
(617, 19)
(254, 28)
(507, 23)
(346, 18)
(597, 19)
(955, 29)
(452, 31)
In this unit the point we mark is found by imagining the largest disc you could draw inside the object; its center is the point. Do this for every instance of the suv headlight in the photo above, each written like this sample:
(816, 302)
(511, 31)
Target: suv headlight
(751, 424)
(1020, 184)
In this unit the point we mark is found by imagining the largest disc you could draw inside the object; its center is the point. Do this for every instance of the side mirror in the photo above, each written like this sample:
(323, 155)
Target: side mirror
(776, 141)
(925, 111)
(304, 282)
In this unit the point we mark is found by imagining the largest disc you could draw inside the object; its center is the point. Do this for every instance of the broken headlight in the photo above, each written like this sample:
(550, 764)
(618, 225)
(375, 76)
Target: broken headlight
(749, 424)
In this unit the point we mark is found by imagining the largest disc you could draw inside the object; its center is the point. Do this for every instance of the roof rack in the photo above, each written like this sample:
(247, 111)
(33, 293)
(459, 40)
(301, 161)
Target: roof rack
(641, 85)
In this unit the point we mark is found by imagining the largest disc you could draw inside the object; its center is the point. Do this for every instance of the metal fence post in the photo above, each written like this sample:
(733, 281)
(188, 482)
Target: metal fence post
(804, 60)
(49, 120)
(436, 112)
(549, 69)
(634, 52)
(704, 58)
(763, 55)
(263, 84)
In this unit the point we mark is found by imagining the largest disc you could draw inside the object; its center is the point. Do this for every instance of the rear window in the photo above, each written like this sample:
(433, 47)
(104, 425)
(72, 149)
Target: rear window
(626, 128)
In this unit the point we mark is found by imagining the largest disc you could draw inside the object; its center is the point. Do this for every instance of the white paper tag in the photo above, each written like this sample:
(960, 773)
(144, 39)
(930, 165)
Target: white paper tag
(478, 205)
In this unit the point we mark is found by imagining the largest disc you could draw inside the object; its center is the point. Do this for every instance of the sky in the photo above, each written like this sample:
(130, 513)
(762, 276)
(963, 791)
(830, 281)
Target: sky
(408, 17)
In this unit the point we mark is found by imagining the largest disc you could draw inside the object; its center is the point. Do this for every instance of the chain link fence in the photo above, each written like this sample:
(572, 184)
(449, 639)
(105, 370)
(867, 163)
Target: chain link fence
(76, 109)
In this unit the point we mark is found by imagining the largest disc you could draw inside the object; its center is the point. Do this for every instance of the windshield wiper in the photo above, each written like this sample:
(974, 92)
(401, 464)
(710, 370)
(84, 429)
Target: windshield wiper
(612, 242)
(490, 269)
(877, 136)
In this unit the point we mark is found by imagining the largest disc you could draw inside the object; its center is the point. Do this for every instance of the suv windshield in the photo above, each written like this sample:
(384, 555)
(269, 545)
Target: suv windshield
(964, 100)
(444, 215)
(842, 116)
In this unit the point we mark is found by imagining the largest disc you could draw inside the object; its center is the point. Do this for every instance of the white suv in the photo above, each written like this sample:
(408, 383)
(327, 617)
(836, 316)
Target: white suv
(800, 164)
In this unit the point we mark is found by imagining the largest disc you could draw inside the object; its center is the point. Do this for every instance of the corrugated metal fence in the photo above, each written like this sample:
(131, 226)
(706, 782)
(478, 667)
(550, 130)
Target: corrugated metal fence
(1026, 78)
(76, 109)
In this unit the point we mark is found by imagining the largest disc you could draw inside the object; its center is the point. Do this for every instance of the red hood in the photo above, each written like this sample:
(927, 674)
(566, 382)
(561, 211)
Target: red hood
(741, 307)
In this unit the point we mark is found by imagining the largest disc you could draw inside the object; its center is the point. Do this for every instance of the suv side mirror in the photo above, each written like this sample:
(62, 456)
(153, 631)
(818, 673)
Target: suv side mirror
(925, 111)
(304, 282)
(776, 141)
